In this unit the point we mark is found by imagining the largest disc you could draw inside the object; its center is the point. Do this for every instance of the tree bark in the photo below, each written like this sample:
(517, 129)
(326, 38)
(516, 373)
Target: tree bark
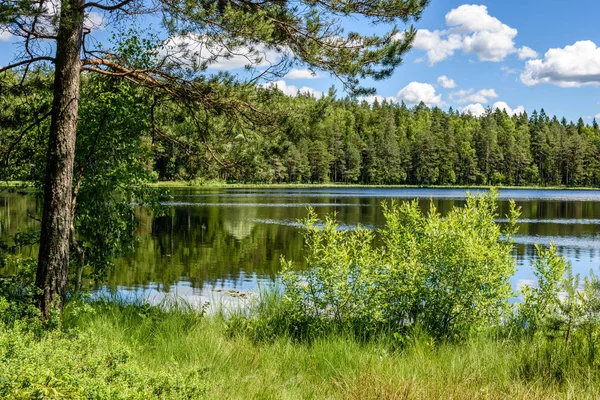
(53, 259)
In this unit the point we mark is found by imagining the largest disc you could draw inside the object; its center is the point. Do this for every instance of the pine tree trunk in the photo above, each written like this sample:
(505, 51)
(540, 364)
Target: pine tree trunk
(53, 259)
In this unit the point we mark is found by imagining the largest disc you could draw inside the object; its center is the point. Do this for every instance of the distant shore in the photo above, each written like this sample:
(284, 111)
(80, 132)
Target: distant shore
(220, 185)
(217, 185)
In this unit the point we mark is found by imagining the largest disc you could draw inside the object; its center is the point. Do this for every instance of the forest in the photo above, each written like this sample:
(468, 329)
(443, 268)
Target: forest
(300, 139)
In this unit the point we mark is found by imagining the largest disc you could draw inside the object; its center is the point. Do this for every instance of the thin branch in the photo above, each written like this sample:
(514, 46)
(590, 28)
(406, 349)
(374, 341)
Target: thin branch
(22, 135)
(26, 62)
(33, 33)
(33, 217)
(105, 7)
(178, 143)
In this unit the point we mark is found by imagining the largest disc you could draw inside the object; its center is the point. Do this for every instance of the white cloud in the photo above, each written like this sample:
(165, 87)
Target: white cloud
(413, 93)
(302, 74)
(416, 92)
(510, 111)
(573, 66)
(470, 96)
(526, 52)
(508, 70)
(291, 90)
(476, 110)
(380, 99)
(200, 49)
(5, 36)
(446, 82)
(94, 20)
(473, 31)
(437, 47)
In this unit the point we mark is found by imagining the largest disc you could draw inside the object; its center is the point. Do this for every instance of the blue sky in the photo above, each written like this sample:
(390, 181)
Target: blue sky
(539, 25)
(519, 55)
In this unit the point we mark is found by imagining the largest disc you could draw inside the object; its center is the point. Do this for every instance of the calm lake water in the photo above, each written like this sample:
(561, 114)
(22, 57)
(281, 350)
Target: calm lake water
(215, 240)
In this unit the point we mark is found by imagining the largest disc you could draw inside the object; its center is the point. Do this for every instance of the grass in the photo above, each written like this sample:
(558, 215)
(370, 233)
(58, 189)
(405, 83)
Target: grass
(221, 184)
(115, 350)
(215, 184)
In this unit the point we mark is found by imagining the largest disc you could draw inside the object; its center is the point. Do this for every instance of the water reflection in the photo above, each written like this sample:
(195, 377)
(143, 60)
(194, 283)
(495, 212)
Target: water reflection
(233, 238)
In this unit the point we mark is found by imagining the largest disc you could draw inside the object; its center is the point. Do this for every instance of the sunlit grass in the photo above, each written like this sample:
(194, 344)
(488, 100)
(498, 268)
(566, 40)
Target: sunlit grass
(202, 351)
(208, 184)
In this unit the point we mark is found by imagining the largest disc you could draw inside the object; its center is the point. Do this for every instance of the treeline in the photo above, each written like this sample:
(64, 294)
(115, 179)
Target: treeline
(340, 140)
(298, 139)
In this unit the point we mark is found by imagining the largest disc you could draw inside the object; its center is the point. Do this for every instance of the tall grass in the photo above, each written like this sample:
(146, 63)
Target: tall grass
(111, 349)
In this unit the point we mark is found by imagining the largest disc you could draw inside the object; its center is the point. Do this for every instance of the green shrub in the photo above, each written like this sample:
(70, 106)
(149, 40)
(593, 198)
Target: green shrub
(540, 304)
(18, 291)
(59, 366)
(558, 319)
(448, 275)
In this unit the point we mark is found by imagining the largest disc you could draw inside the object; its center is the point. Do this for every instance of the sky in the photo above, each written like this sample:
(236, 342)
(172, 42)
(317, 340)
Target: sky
(517, 55)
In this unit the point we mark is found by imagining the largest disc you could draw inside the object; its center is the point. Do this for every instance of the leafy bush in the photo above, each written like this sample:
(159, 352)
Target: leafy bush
(559, 317)
(61, 366)
(540, 304)
(448, 275)
(17, 291)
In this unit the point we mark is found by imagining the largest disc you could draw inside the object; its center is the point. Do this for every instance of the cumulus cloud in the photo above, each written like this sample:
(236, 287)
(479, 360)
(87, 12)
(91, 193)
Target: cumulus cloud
(510, 111)
(413, 93)
(446, 82)
(302, 74)
(526, 52)
(437, 47)
(470, 96)
(416, 92)
(472, 30)
(5, 36)
(200, 49)
(291, 90)
(380, 99)
(476, 110)
(572, 66)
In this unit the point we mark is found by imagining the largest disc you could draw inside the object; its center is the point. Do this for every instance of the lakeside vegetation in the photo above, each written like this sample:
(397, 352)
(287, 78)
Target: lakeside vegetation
(420, 309)
(114, 350)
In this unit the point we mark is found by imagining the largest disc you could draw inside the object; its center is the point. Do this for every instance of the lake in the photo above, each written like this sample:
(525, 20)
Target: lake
(213, 241)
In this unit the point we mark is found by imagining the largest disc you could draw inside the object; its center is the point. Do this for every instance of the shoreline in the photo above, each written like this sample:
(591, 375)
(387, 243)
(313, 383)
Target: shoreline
(179, 184)
(6, 185)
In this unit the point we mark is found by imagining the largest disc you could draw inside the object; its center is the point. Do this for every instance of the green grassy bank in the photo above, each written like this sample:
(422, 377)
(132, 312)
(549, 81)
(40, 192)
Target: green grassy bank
(209, 184)
(219, 184)
(110, 350)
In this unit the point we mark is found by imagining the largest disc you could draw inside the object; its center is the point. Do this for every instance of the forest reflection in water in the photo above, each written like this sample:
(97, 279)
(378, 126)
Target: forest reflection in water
(232, 239)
